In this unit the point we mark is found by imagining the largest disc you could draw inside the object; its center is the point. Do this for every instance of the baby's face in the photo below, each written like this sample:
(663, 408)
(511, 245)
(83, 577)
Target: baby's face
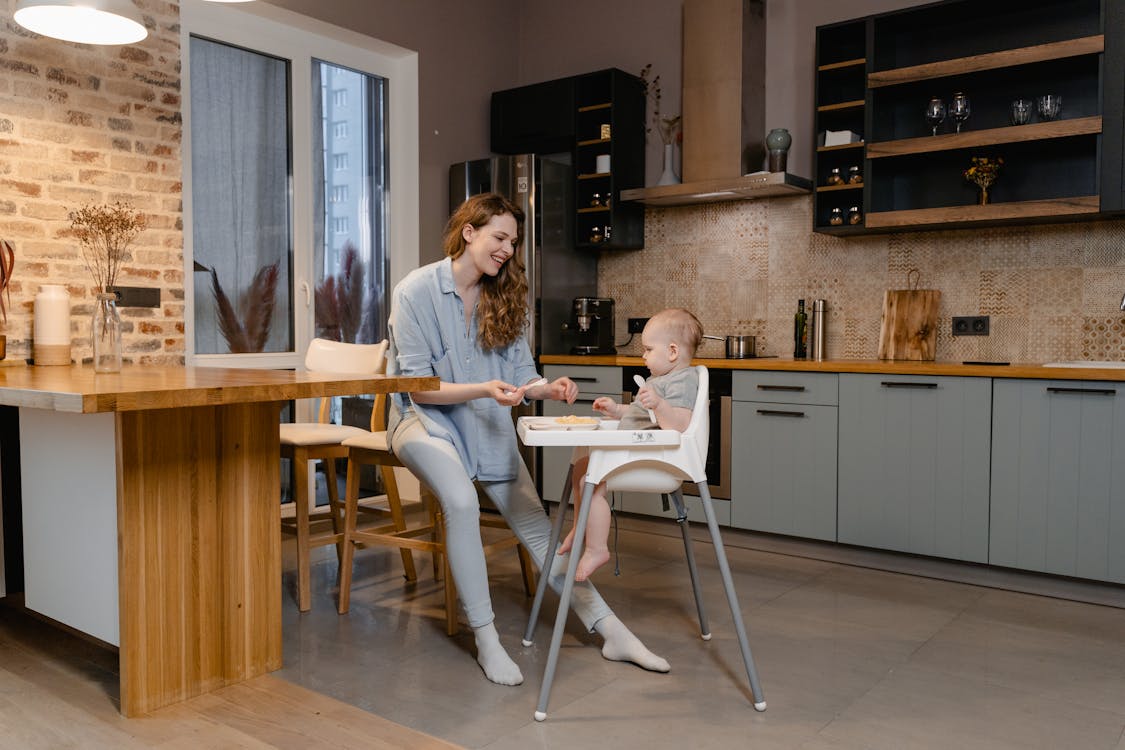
(656, 349)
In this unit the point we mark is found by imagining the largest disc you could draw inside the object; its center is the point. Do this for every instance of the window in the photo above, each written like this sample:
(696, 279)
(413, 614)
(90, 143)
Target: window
(340, 129)
(340, 225)
(340, 98)
(339, 193)
(339, 161)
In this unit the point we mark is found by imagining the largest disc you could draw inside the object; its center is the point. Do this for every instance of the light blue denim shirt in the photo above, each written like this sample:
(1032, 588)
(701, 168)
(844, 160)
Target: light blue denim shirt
(429, 336)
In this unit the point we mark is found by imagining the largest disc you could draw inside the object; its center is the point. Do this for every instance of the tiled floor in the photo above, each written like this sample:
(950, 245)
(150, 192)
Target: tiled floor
(849, 658)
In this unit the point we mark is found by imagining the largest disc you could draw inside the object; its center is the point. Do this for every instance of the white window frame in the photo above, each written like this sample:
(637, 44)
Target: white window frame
(274, 31)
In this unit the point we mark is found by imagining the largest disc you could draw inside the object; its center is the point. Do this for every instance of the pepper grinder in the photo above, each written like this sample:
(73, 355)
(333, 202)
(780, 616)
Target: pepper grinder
(816, 330)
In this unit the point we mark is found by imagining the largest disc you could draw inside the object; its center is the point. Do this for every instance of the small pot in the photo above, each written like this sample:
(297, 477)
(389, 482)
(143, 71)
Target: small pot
(737, 347)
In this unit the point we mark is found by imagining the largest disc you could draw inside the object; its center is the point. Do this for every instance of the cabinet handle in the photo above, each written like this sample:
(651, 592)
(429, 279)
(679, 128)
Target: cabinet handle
(904, 384)
(1097, 391)
(796, 388)
(779, 413)
(578, 379)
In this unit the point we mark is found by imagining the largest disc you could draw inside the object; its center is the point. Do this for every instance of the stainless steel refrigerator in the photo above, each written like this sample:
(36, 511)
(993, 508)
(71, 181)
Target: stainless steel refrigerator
(557, 272)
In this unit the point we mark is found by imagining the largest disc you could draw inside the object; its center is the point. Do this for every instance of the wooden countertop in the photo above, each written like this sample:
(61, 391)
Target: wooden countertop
(876, 366)
(79, 389)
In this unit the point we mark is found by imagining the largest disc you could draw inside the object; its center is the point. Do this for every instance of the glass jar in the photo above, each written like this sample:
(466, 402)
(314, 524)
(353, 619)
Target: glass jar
(595, 200)
(105, 330)
(596, 235)
(836, 218)
(854, 177)
(834, 177)
(854, 216)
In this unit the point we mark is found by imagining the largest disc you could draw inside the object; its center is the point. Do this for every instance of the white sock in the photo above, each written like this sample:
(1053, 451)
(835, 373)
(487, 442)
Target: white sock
(621, 645)
(493, 659)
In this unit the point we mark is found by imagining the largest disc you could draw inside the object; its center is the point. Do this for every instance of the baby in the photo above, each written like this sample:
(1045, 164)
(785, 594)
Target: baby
(669, 340)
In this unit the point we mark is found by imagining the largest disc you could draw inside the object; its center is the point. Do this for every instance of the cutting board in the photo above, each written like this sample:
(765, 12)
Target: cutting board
(909, 326)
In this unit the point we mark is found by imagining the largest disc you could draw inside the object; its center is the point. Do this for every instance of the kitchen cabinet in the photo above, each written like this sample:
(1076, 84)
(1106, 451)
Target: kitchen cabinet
(533, 119)
(914, 464)
(783, 473)
(1058, 477)
(593, 381)
(1061, 169)
(610, 124)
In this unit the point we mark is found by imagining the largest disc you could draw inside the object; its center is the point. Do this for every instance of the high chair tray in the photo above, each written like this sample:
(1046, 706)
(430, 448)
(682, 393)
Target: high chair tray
(548, 431)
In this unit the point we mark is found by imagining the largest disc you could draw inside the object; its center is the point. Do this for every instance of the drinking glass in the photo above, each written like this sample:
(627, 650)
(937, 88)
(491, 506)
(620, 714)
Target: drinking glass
(1021, 112)
(935, 113)
(960, 109)
(1049, 106)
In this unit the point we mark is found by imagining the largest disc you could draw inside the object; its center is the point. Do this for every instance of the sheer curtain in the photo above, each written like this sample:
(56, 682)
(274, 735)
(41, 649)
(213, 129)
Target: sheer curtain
(241, 166)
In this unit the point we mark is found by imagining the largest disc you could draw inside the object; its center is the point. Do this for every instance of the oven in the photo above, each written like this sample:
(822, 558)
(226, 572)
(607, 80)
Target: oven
(719, 425)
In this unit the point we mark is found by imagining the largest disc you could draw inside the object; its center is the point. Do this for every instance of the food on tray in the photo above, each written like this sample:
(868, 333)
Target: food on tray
(574, 419)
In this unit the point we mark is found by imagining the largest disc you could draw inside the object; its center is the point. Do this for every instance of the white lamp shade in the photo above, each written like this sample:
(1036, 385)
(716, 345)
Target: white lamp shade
(83, 21)
(230, 1)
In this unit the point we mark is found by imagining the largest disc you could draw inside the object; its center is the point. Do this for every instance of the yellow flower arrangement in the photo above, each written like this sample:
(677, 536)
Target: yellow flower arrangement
(983, 171)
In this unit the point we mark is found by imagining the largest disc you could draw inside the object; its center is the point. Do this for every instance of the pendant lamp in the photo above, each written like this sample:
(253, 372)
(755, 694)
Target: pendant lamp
(83, 21)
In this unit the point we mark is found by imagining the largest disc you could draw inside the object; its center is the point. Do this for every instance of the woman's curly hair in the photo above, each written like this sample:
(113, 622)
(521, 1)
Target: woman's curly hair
(502, 309)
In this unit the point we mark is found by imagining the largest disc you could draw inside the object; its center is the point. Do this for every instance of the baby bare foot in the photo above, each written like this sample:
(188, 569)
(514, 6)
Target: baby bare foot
(567, 543)
(591, 560)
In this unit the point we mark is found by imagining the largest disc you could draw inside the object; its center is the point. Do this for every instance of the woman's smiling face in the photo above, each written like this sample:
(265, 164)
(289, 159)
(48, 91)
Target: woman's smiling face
(490, 246)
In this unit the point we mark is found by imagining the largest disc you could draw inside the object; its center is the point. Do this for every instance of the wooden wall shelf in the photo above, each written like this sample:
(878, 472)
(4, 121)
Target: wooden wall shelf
(1013, 134)
(833, 188)
(1090, 45)
(841, 105)
(1056, 207)
(842, 64)
(770, 184)
(841, 147)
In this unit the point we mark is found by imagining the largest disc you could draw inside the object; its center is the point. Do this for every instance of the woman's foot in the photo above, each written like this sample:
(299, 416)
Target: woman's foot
(621, 645)
(493, 659)
(591, 560)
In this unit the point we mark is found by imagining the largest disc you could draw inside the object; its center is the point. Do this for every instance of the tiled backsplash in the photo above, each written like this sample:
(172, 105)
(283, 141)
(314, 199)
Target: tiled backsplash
(1053, 292)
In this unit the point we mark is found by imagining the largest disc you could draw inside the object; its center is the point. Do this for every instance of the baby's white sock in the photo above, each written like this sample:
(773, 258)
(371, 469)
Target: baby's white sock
(621, 645)
(493, 659)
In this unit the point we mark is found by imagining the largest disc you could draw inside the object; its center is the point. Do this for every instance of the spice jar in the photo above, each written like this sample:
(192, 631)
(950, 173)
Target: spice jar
(834, 177)
(854, 177)
(596, 235)
(596, 200)
(854, 216)
(836, 218)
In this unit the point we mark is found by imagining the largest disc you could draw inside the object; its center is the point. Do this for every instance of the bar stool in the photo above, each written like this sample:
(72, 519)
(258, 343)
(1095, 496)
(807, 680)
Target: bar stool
(322, 441)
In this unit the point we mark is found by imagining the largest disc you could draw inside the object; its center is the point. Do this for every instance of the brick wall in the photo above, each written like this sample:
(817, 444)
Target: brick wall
(89, 124)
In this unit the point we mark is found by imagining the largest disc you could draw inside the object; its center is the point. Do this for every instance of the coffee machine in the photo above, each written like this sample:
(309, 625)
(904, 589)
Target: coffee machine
(591, 322)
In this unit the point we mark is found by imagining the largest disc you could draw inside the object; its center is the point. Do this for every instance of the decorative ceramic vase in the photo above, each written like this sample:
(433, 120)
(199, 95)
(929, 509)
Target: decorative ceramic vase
(52, 326)
(778, 142)
(105, 330)
(668, 176)
(983, 195)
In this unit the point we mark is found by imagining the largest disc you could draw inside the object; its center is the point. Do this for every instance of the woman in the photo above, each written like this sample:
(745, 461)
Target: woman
(463, 319)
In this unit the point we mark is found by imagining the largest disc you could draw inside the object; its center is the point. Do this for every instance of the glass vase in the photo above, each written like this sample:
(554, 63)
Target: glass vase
(983, 195)
(105, 331)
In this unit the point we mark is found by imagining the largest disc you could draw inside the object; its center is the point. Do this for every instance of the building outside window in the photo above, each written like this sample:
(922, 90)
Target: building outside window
(339, 161)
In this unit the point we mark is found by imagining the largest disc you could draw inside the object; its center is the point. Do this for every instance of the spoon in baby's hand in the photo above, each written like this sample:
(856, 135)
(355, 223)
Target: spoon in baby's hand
(640, 384)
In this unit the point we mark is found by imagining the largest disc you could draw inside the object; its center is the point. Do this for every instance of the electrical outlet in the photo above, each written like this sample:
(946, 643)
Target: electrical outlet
(637, 325)
(136, 296)
(970, 325)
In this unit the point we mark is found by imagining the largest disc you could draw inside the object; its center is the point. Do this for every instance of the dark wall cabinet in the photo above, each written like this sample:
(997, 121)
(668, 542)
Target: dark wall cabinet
(876, 75)
(600, 114)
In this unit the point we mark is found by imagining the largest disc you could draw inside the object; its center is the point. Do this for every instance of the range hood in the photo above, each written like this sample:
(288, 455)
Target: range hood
(724, 56)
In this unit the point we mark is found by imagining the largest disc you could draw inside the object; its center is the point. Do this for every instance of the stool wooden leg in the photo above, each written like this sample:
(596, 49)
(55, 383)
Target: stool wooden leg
(434, 511)
(335, 507)
(301, 501)
(351, 509)
(394, 501)
(527, 566)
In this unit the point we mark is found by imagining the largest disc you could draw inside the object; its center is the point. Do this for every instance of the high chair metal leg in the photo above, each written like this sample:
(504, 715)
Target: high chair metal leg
(564, 602)
(677, 499)
(732, 598)
(548, 561)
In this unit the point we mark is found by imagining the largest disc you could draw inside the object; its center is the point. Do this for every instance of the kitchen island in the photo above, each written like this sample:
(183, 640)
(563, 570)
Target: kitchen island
(151, 517)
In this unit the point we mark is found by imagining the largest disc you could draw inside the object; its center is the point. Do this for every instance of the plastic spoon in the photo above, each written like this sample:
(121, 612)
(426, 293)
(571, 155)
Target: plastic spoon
(640, 384)
(532, 384)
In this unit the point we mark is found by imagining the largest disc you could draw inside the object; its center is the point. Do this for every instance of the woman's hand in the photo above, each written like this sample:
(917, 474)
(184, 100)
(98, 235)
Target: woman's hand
(562, 389)
(503, 393)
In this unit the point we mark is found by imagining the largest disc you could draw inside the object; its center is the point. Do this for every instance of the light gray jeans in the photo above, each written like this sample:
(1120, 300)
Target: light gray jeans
(436, 463)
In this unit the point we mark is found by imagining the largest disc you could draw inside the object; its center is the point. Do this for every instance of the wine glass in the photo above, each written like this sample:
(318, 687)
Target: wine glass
(1049, 106)
(935, 113)
(960, 109)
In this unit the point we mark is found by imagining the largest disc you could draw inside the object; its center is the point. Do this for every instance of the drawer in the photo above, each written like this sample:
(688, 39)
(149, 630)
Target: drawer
(604, 381)
(778, 387)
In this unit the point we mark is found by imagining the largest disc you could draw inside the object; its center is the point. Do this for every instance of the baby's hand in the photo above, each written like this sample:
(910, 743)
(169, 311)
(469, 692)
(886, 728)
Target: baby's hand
(647, 397)
(605, 405)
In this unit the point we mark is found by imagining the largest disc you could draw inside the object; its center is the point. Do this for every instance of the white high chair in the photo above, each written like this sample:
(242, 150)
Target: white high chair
(644, 468)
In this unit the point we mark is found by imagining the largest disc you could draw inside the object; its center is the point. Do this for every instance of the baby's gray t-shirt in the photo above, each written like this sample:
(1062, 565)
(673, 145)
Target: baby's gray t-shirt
(678, 388)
